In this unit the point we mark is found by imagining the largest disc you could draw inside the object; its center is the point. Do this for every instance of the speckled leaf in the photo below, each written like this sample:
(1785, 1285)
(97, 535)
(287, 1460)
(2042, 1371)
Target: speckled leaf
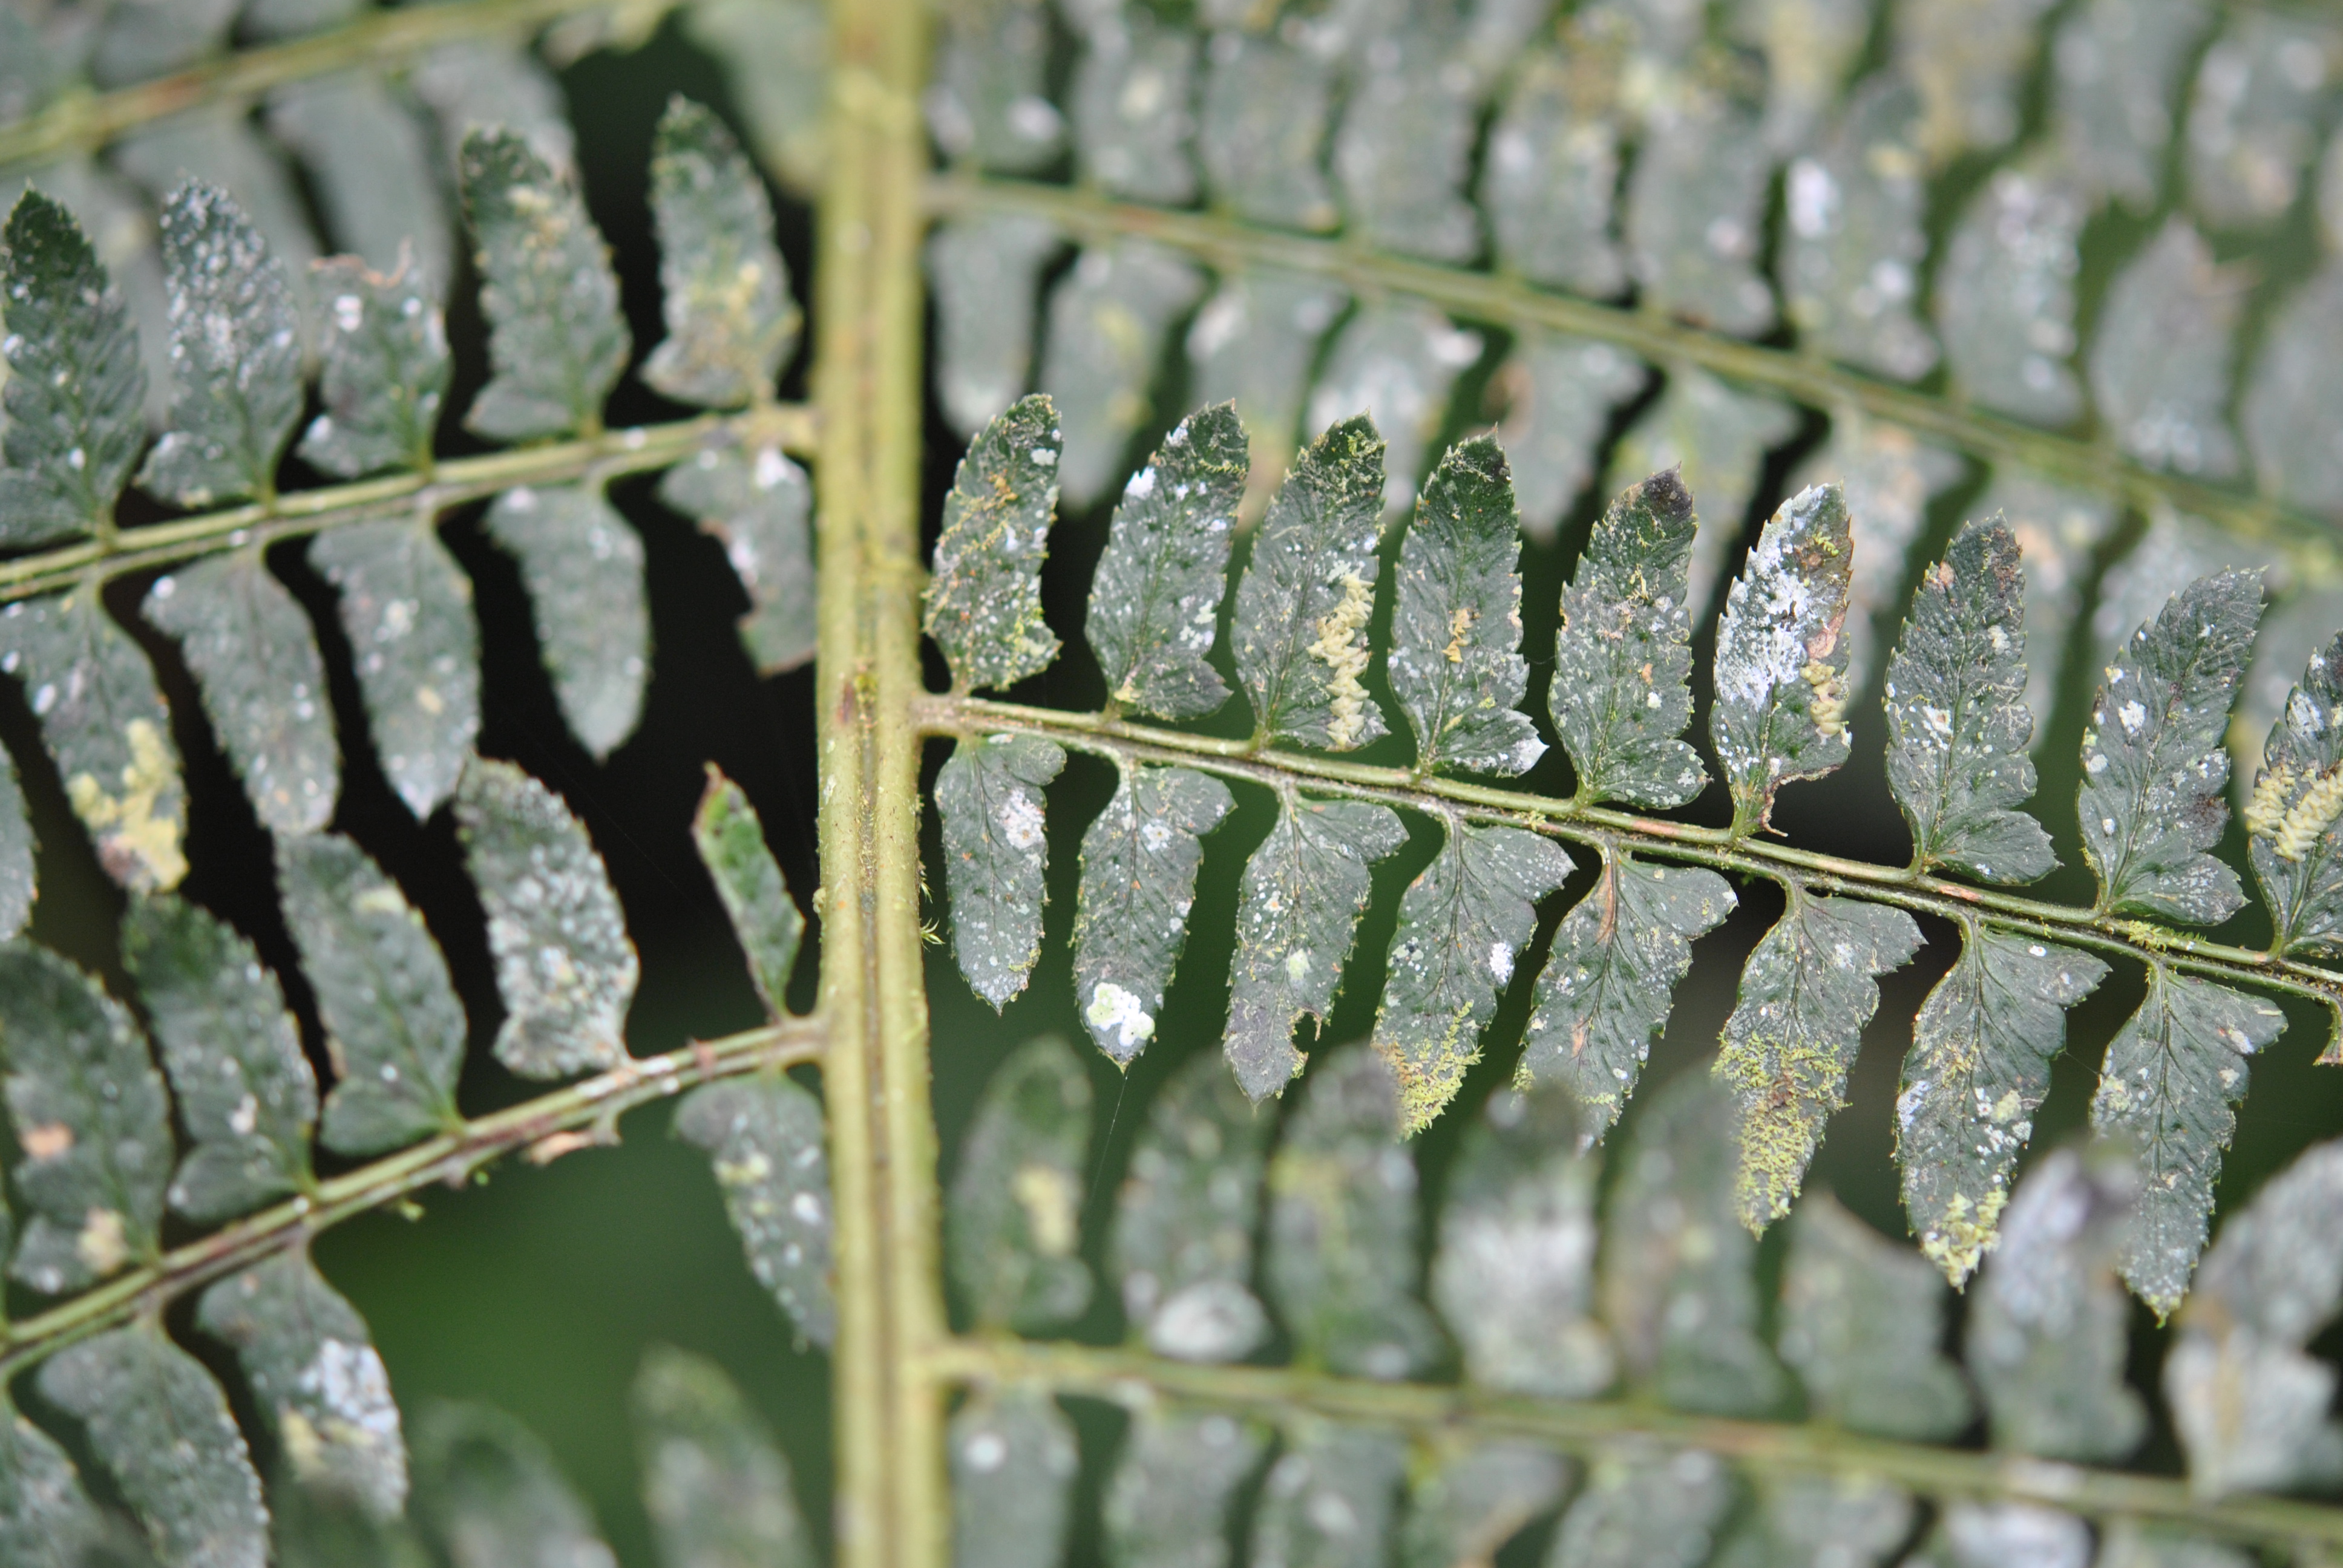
(47, 1520)
(1559, 394)
(1621, 693)
(393, 1025)
(1456, 629)
(764, 1135)
(2177, 548)
(262, 682)
(996, 848)
(1406, 146)
(723, 286)
(2058, 532)
(1131, 105)
(1675, 1279)
(372, 168)
(1645, 1508)
(2005, 294)
(1255, 342)
(1139, 876)
(2048, 1329)
(1971, 63)
(1551, 171)
(1109, 321)
(765, 918)
(1331, 1501)
(1604, 995)
(75, 383)
(758, 506)
(1855, 208)
(716, 1484)
(1716, 439)
(985, 273)
(236, 354)
(988, 103)
(557, 339)
(1461, 923)
(17, 885)
(1261, 130)
(1958, 723)
(1343, 1268)
(1297, 913)
(161, 1426)
(387, 369)
(2249, 1400)
(1862, 1317)
(2153, 764)
(582, 565)
(1300, 635)
(2260, 95)
(1013, 1216)
(104, 726)
(1809, 988)
(2160, 361)
(984, 601)
(492, 1496)
(1477, 1498)
(2116, 73)
(2005, 1535)
(1851, 1521)
(2172, 1076)
(1697, 216)
(1155, 596)
(1395, 363)
(2292, 816)
(1781, 656)
(1185, 1218)
(1013, 1459)
(1167, 1504)
(93, 1124)
(220, 146)
(245, 1092)
(2289, 388)
(316, 1376)
(406, 610)
(1513, 1277)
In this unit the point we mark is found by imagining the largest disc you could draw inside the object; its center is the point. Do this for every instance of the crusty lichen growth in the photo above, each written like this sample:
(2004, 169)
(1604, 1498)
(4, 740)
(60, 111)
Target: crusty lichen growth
(1341, 647)
(138, 843)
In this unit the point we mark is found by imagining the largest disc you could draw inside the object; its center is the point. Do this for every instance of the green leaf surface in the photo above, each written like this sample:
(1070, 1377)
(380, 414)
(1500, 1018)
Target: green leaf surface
(2117, 70)
(1300, 635)
(1958, 723)
(315, 1529)
(1971, 65)
(988, 103)
(2127, 1544)
(1013, 1459)
(2005, 1535)
(106, 728)
(1139, 877)
(715, 1482)
(748, 884)
(985, 273)
(1857, 206)
(393, 1025)
(775, 58)
(1406, 144)
(1013, 1214)
(1155, 596)
(47, 1520)
(760, 506)
(1891, 477)
(1696, 199)
(1979, 1069)
(1550, 176)
(1476, 1500)
(1108, 323)
(1261, 130)
(1513, 1277)
(92, 1119)
(764, 1136)
(1342, 1269)
(1298, 912)
(1806, 992)
(1255, 342)
(2173, 1076)
(1167, 1504)
(161, 1427)
(2005, 294)
(1674, 1277)
(985, 599)
(384, 345)
(2048, 1329)
(18, 883)
(1604, 995)
(1129, 105)
(2058, 532)
(491, 1496)
(1716, 436)
(262, 682)
(1560, 393)
(1396, 362)
(2287, 390)
(2292, 816)
(1862, 1318)
(75, 385)
(557, 338)
(406, 610)
(1331, 1501)
(316, 1376)
(582, 564)
(371, 165)
(1781, 657)
(565, 968)
(2160, 361)
(1185, 1218)
(990, 797)
(1621, 693)
(245, 1092)
(725, 290)
(1463, 923)
(236, 354)
(1858, 1521)
(1454, 659)
(2259, 90)
(481, 82)
(1645, 1508)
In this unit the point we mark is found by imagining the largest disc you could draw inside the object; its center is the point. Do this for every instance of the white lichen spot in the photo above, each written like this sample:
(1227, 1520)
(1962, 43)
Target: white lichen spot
(1119, 1013)
(1021, 820)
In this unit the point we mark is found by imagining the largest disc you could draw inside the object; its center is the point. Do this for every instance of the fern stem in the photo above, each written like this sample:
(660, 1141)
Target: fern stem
(1681, 842)
(602, 457)
(1592, 1427)
(2307, 543)
(380, 37)
(537, 1126)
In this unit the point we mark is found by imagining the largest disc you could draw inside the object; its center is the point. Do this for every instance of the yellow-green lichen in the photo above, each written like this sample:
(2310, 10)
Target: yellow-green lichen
(138, 831)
